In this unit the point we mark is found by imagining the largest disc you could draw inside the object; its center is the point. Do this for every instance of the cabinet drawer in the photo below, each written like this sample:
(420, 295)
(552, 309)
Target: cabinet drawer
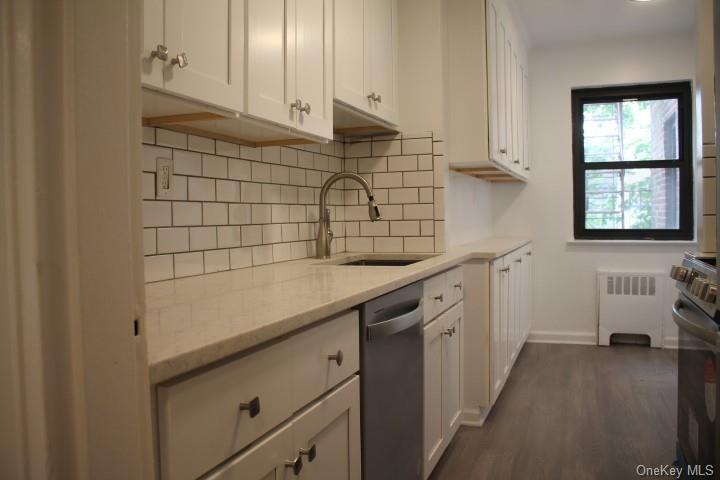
(435, 296)
(455, 285)
(315, 372)
(203, 420)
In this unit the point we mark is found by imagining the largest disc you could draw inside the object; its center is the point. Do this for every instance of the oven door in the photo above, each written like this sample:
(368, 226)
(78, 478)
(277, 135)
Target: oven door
(697, 385)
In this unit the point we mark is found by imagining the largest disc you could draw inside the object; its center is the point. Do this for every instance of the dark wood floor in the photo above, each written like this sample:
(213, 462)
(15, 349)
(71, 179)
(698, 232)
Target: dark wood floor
(573, 412)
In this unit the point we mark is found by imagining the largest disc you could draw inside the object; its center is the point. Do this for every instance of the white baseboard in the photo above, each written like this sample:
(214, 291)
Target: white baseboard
(576, 338)
(581, 338)
(474, 417)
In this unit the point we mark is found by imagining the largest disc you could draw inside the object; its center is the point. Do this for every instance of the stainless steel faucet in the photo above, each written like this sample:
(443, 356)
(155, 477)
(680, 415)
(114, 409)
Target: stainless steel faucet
(325, 235)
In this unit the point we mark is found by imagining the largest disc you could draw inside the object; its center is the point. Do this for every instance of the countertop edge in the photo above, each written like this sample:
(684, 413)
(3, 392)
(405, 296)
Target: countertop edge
(171, 367)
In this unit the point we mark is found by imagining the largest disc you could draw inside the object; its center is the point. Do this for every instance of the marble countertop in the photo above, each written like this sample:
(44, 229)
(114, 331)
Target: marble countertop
(195, 321)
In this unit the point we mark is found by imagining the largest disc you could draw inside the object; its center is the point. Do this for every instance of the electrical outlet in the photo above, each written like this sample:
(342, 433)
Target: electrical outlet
(164, 177)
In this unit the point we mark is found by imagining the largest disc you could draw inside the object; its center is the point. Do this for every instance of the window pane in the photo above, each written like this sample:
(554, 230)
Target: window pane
(631, 130)
(636, 199)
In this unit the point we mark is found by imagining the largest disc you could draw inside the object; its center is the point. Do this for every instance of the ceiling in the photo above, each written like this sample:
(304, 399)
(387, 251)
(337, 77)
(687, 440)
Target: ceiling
(550, 22)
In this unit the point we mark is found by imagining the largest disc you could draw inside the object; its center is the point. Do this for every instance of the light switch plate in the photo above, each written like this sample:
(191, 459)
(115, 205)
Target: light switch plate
(164, 177)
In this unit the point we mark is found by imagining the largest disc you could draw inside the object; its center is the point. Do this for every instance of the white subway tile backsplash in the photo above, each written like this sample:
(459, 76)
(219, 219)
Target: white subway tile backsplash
(203, 238)
(226, 149)
(172, 240)
(158, 267)
(215, 213)
(214, 166)
(201, 189)
(250, 192)
(262, 255)
(187, 264)
(156, 214)
(228, 236)
(251, 235)
(168, 138)
(201, 144)
(186, 213)
(216, 260)
(240, 258)
(187, 163)
(149, 241)
(239, 214)
(233, 206)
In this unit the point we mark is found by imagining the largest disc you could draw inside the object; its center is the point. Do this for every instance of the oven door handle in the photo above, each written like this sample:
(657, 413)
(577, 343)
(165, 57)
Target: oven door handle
(396, 324)
(706, 330)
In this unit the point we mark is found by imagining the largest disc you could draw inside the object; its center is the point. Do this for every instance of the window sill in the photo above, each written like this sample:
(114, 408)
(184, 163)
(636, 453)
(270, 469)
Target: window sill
(654, 243)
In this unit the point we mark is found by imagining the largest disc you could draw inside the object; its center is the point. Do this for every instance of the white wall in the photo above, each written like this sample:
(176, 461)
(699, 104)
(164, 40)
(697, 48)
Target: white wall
(421, 66)
(542, 209)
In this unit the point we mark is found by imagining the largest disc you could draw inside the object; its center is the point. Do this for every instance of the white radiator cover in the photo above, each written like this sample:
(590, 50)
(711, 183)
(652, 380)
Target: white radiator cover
(630, 302)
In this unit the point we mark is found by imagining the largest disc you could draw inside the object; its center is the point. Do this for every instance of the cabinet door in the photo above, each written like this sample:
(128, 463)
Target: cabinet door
(153, 35)
(517, 111)
(313, 63)
(332, 427)
(502, 98)
(493, 85)
(509, 75)
(452, 371)
(264, 461)
(526, 122)
(433, 368)
(527, 292)
(271, 61)
(513, 274)
(211, 35)
(351, 63)
(521, 113)
(381, 41)
(499, 326)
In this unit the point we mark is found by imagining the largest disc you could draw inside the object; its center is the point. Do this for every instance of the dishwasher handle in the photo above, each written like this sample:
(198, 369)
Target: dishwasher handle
(396, 324)
(695, 327)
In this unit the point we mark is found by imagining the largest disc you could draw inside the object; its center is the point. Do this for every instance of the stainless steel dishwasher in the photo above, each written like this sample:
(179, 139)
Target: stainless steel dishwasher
(391, 380)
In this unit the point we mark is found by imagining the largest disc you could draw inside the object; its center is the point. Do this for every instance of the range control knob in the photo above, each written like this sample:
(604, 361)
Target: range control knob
(699, 287)
(711, 293)
(679, 273)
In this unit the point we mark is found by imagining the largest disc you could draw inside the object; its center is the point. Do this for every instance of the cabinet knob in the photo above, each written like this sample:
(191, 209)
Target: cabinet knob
(458, 285)
(516, 161)
(439, 298)
(527, 168)
(518, 260)
(160, 52)
(449, 332)
(311, 453)
(529, 254)
(506, 269)
(253, 406)
(297, 105)
(305, 109)
(296, 465)
(375, 97)
(180, 60)
(503, 150)
(338, 357)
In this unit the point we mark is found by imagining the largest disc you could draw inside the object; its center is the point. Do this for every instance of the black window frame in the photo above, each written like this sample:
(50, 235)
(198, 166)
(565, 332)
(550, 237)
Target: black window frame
(659, 91)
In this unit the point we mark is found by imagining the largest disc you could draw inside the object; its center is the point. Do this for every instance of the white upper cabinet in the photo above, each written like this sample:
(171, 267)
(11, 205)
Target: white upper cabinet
(366, 56)
(487, 91)
(289, 59)
(198, 50)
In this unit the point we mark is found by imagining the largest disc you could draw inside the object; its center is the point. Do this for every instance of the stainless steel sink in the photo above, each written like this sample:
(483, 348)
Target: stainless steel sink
(378, 260)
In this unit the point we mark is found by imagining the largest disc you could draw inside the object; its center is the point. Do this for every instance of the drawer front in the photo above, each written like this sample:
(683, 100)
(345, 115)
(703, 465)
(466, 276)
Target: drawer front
(202, 421)
(435, 296)
(317, 366)
(455, 285)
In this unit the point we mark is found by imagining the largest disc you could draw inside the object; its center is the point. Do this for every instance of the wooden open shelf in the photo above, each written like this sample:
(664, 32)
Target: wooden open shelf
(489, 174)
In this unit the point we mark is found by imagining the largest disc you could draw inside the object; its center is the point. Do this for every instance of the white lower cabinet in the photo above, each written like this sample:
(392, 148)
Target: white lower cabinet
(498, 322)
(443, 373)
(321, 443)
(208, 417)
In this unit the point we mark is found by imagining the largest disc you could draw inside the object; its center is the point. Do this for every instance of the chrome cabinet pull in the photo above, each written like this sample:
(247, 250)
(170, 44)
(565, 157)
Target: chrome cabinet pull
(449, 332)
(518, 260)
(503, 150)
(160, 52)
(253, 406)
(516, 161)
(338, 357)
(180, 60)
(296, 465)
(375, 97)
(311, 453)
(506, 269)
(529, 254)
(439, 298)
(458, 285)
(297, 105)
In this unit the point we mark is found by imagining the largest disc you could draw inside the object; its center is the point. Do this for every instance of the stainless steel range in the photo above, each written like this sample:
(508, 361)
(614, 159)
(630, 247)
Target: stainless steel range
(695, 313)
